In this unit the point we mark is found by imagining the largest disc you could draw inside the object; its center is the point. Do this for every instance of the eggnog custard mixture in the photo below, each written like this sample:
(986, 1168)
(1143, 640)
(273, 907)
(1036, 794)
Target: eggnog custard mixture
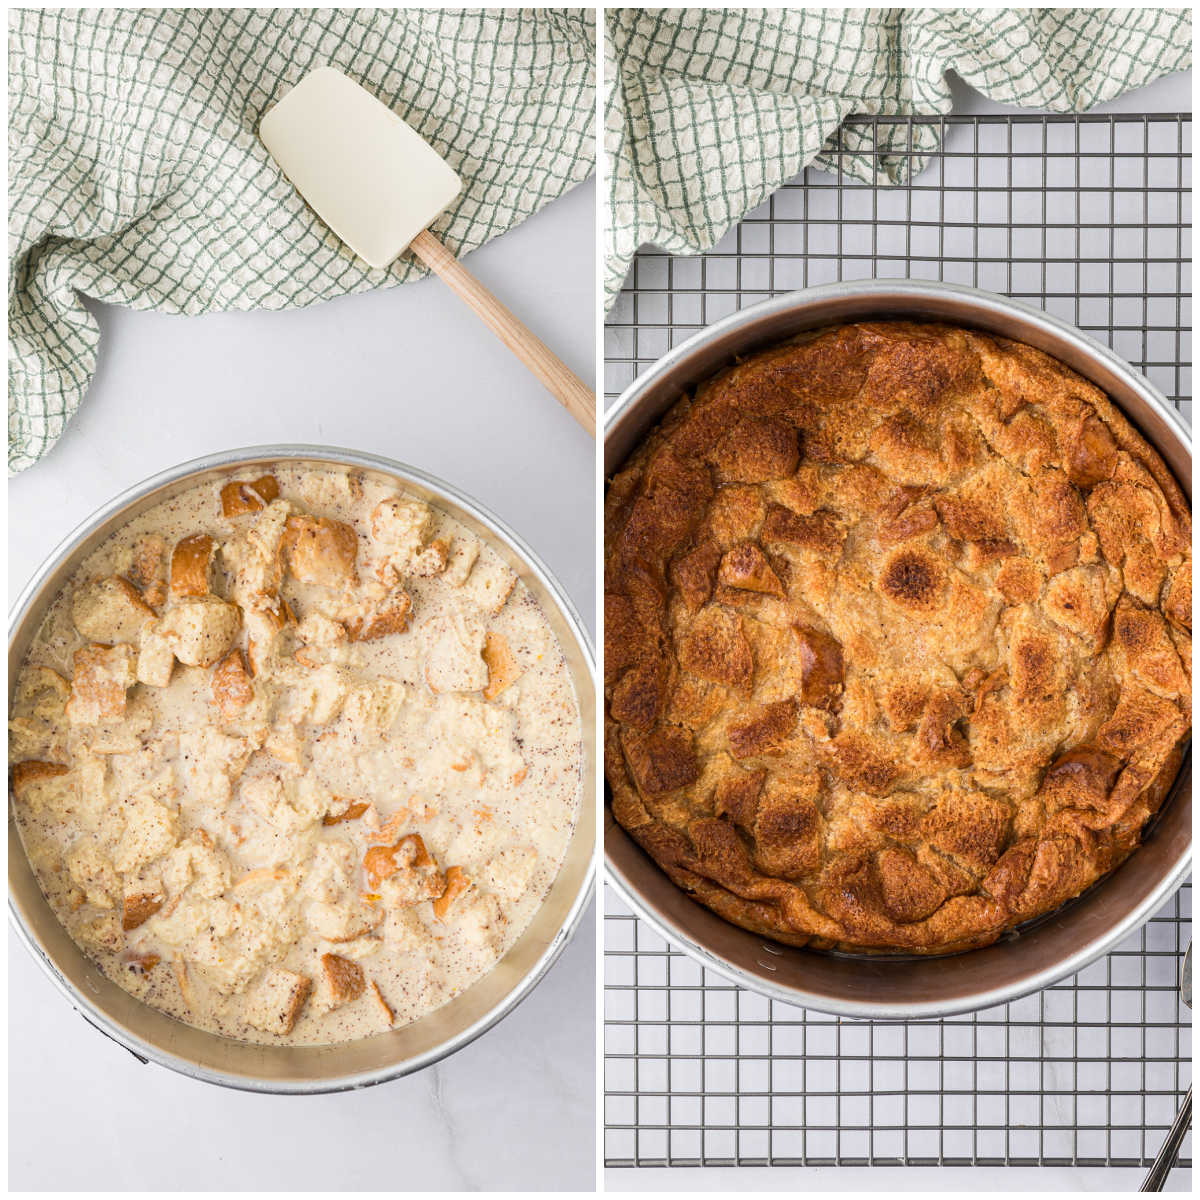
(296, 758)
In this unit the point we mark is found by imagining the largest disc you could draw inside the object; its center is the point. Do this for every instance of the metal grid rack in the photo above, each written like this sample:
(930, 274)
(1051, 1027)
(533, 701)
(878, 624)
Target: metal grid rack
(1087, 217)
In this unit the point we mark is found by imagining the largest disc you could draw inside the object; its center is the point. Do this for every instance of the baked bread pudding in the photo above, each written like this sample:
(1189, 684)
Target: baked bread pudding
(897, 639)
(296, 757)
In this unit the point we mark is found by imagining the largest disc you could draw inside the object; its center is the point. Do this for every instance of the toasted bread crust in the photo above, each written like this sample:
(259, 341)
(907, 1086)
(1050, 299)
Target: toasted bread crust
(239, 496)
(27, 774)
(501, 664)
(343, 977)
(388, 617)
(457, 883)
(140, 908)
(232, 688)
(389, 1014)
(320, 550)
(191, 562)
(148, 570)
(99, 683)
(896, 624)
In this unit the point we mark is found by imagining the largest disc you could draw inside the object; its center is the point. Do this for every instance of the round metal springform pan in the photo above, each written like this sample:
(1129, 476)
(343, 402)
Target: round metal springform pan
(1026, 960)
(155, 1037)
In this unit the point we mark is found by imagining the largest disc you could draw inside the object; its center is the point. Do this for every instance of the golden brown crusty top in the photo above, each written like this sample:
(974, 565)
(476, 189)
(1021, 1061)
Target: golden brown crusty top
(897, 638)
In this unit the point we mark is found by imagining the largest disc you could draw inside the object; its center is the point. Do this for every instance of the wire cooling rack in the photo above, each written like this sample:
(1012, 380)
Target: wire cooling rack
(1087, 217)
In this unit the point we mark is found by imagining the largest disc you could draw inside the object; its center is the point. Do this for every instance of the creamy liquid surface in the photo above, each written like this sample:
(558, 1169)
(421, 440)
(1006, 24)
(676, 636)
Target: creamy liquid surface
(228, 820)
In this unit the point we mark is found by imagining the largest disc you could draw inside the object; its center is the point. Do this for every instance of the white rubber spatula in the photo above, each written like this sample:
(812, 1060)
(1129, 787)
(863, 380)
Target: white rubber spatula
(378, 185)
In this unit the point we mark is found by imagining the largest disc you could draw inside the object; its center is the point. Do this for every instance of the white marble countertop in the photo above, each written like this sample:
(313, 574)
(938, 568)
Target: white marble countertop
(410, 374)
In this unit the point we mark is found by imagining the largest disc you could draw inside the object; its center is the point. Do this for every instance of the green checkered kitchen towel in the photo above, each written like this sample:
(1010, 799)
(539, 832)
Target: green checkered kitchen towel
(136, 175)
(709, 111)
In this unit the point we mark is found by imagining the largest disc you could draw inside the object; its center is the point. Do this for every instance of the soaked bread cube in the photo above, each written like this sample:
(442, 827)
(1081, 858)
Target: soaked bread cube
(191, 565)
(320, 551)
(341, 981)
(103, 675)
(318, 629)
(150, 831)
(156, 657)
(490, 584)
(102, 933)
(38, 715)
(93, 874)
(344, 920)
(432, 560)
(31, 780)
(201, 629)
(501, 665)
(254, 555)
(148, 569)
(268, 626)
(110, 610)
(277, 1001)
(231, 686)
(463, 553)
(389, 616)
(401, 528)
(139, 907)
(455, 662)
(41, 692)
(239, 497)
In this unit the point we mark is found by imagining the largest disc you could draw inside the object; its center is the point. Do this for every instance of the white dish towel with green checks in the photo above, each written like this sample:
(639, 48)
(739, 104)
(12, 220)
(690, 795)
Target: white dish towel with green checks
(709, 111)
(136, 175)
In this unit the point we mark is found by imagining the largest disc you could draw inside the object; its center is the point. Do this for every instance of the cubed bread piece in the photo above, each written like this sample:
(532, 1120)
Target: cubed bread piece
(103, 675)
(191, 565)
(401, 528)
(37, 728)
(91, 871)
(30, 777)
(198, 865)
(480, 921)
(343, 920)
(253, 557)
(266, 624)
(110, 610)
(457, 884)
(463, 553)
(508, 873)
(140, 907)
(389, 616)
(201, 629)
(321, 551)
(156, 657)
(351, 812)
(42, 692)
(490, 584)
(102, 933)
(239, 497)
(405, 873)
(432, 560)
(151, 829)
(148, 569)
(59, 795)
(277, 1000)
(501, 665)
(343, 980)
(231, 686)
(317, 629)
(123, 736)
(454, 661)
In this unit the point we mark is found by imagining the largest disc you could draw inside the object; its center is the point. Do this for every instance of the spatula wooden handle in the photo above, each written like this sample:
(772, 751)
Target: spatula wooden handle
(571, 392)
